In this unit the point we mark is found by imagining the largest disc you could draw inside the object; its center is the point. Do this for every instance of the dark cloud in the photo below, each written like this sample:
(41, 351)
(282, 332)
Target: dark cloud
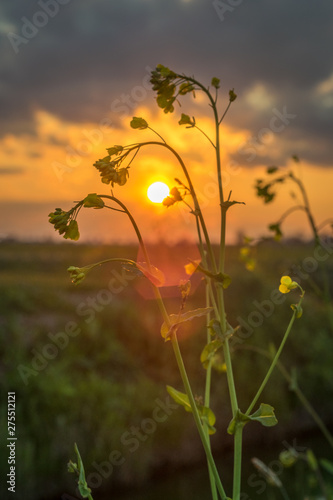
(88, 57)
(11, 170)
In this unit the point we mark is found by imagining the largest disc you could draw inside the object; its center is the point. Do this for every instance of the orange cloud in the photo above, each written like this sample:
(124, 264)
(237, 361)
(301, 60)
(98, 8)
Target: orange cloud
(54, 164)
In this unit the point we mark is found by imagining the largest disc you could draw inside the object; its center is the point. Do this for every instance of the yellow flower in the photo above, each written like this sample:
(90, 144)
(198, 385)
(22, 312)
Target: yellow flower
(191, 267)
(287, 284)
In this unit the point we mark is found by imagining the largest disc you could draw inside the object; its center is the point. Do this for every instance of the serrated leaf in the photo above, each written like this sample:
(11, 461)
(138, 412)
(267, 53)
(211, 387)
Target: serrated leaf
(176, 319)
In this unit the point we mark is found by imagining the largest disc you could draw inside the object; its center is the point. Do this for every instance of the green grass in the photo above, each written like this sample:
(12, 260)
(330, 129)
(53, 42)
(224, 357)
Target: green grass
(107, 378)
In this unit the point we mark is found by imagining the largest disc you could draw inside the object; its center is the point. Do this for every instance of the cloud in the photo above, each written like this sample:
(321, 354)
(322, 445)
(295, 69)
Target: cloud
(11, 170)
(87, 60)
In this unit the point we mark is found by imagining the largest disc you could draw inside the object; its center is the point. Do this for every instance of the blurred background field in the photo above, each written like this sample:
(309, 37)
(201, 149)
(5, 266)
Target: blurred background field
(106, 380)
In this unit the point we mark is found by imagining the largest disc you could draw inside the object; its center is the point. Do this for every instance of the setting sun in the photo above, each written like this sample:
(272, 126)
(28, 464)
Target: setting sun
(157, 192)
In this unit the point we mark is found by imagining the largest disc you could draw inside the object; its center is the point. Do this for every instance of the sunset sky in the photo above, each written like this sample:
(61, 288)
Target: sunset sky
(74, 73)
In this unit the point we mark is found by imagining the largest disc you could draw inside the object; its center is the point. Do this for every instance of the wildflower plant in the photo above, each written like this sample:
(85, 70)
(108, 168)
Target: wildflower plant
(114, 170)
(267, 189)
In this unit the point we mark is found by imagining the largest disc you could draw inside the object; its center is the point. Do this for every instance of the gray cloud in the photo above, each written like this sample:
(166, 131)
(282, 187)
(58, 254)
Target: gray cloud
(11, 170)
(91, 53)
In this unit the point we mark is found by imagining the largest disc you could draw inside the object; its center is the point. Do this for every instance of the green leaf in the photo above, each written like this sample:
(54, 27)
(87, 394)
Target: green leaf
(206, 414)
(228, 204)
(82, 483)
(179, 398)
(208, 417)
(298, 309)
(214, 327)
(215, 82)
(138, 123)
(265, 415)
(177, 319)
(162, 101)
(72, 467)
(209, 351)
(185, 88)
(271, 170)
(186, 120)
(222, 278)
(72, 231)
(165, 71)
(115, 150)
(93, 201)
(232, 95)
(277, 230)
(175, 193)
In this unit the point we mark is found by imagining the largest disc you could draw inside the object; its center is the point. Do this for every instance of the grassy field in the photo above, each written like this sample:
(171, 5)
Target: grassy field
(88, 364)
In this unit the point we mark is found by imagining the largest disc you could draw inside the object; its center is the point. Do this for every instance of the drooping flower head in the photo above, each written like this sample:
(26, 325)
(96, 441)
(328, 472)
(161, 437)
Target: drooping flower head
(287, 284)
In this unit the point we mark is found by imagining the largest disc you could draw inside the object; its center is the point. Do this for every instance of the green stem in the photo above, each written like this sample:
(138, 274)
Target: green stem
(204, 133)
(307, 207)
(236, 491)
(299, 393)
(196, 416)
(194, 197)
(307, 405)
(207, 402)
(207, 392)
(188, 390)
(134, 224)
(230, 377)
(275, 360)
